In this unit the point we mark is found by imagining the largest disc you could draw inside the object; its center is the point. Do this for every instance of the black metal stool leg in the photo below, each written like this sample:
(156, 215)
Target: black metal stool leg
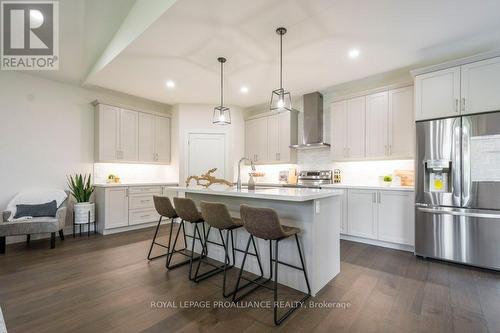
(153, 243)
(241, 268)
(279, 320)
(173, 251)
(217, 269)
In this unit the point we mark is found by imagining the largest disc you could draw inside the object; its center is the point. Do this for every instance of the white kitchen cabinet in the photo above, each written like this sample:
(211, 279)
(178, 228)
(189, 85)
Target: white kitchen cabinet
(273, 138)
(344, 207)
(287, 124)
(115, 207)
(339, 131)
(123, 208)
(381, 215)
(377, 125)
(129, 136)
(147, 137)
(480, 86)
(356, 128)
(256, 139)
(162, 139)
(108, 133)
(268, 138)
(362, 213)
(395, 217)
(401, 127)
(437, 94)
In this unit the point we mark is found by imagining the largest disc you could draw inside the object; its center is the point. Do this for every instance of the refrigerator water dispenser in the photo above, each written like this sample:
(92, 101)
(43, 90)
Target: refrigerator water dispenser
(437, 174)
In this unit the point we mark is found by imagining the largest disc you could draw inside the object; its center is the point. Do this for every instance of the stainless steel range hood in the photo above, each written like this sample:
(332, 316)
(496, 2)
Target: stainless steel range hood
(313, 123)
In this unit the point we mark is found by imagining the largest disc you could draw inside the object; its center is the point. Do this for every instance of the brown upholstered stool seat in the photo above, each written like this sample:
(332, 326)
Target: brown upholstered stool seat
(186, 209)
(290, 231)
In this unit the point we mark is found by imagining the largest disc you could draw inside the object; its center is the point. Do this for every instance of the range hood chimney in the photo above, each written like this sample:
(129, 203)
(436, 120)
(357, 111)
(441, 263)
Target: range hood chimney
(313, 123)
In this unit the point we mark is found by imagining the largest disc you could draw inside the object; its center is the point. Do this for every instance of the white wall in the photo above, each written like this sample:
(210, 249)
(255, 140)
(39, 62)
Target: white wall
(47, 130)
(188, 118)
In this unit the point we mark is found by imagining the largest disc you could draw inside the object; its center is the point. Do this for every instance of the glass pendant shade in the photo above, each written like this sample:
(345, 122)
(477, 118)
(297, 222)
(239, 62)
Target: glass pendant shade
(281, 100)
(222, 114)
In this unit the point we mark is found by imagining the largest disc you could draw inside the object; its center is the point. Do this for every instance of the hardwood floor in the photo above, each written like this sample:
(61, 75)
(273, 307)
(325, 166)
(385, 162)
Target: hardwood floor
(105, 284)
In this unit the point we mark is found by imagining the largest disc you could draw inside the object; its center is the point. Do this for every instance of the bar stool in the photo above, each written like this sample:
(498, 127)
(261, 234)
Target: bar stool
(187, 211)
(264, 223)
(163, 207)
(217, 216)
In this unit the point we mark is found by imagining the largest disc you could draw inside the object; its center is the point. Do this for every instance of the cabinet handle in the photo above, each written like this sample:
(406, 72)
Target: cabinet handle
(379, 197)
(463, 104)
(457, 105)
(386, 150)
(278, 157)
(390, 150)
(374, 197)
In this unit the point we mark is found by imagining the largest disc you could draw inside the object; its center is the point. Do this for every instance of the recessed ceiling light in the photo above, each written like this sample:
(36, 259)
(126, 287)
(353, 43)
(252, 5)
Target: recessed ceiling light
(354, 53)
(244, 89)
(170, 84)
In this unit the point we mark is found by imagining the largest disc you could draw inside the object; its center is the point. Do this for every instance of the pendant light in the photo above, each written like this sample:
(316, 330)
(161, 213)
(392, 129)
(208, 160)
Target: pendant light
(280, 98)
(222, 115)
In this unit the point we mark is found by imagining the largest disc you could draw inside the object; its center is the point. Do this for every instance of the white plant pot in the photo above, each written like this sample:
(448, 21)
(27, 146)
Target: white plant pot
(82, 210)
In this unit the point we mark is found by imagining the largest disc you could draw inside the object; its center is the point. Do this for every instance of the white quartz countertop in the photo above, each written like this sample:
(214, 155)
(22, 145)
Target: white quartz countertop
(132, 184)
(370, 187)
(282, 193)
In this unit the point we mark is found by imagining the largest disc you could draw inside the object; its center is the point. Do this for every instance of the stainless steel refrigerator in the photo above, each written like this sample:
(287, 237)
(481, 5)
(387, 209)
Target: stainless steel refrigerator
(457, 209)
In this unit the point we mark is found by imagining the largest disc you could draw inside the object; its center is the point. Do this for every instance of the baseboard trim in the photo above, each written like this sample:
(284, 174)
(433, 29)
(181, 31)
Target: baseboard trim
(375, 242)
(130, 228)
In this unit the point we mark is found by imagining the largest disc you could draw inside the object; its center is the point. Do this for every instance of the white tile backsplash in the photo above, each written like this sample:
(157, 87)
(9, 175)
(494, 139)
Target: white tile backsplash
(136, 173)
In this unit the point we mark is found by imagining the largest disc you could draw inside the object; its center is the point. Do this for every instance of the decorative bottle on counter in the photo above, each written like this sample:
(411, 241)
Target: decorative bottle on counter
(337, 177)
(251, 184)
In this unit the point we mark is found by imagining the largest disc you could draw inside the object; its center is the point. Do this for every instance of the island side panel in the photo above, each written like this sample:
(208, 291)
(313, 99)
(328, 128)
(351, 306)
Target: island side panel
(296, 214)
(326, 246)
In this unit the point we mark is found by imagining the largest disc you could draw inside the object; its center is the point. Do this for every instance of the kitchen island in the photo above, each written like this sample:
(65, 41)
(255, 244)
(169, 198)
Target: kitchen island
(316, 212)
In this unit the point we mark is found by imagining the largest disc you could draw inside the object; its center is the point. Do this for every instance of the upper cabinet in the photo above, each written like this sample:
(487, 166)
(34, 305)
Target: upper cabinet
(481, 86)
(466, 89)
(268, 137)
(401, 128)
(438, 94)
(375, 126)
(130, 136)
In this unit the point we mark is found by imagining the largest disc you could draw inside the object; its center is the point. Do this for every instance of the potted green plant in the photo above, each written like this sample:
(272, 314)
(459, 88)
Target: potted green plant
(387, 180)
(81, 189)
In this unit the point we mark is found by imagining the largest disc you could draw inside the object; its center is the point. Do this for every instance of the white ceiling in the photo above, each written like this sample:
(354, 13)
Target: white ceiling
(184, 43)
(85, 29)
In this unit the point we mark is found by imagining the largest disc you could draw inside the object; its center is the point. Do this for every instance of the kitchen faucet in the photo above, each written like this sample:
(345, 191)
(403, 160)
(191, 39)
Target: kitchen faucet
(238, 183)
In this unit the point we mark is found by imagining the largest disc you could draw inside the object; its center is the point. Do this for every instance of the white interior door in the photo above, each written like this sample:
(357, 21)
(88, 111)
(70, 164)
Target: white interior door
(207, 151)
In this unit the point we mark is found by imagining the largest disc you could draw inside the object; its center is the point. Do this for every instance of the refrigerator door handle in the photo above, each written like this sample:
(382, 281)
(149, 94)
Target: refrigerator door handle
(492, 215)
(456, 161)
(466, 164)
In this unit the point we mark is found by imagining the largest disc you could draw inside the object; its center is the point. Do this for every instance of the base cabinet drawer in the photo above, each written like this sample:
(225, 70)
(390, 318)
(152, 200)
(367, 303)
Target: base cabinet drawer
(154, 190)
(141, 202)
(142, 216)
